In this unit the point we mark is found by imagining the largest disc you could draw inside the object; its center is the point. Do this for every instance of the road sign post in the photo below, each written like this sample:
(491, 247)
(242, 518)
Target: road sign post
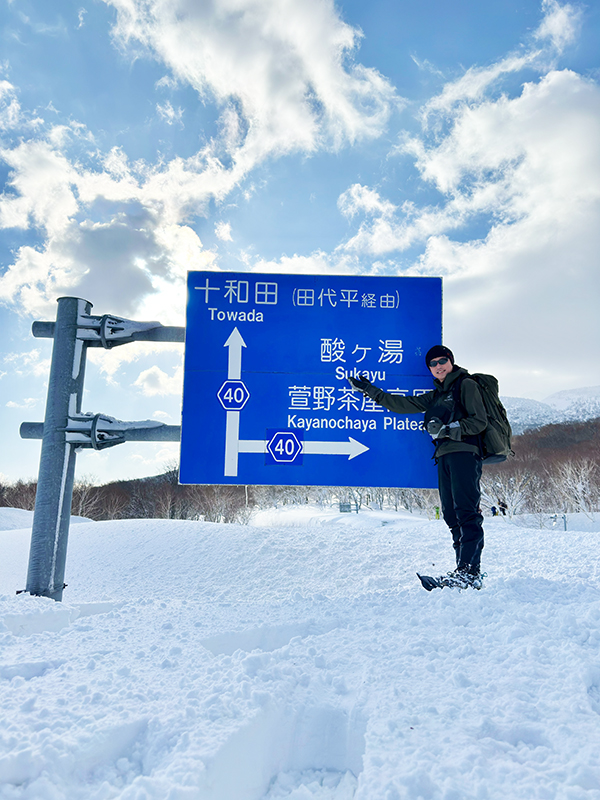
(57, 462)
(66, 429)
(266, 396)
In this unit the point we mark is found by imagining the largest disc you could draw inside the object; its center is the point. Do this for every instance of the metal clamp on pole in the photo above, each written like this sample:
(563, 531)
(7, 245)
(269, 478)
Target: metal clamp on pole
(93, 430)
(100, 436)
(109, 331)
(99, 431)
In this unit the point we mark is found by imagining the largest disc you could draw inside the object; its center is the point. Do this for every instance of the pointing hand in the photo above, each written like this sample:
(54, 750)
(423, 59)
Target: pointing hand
(361, 382)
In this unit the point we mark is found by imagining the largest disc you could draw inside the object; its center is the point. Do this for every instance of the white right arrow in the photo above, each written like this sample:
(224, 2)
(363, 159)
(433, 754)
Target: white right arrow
(351, 448)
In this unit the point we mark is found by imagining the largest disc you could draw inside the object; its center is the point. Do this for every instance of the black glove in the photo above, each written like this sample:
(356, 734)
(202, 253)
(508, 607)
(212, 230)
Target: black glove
(362, 382)
(434, 426)
(437, 430)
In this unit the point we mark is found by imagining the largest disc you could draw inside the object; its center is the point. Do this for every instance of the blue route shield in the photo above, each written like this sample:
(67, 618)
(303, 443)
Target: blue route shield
(266, 398)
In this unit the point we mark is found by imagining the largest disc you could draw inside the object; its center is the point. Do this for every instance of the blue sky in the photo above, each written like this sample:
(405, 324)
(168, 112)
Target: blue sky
(140, 139)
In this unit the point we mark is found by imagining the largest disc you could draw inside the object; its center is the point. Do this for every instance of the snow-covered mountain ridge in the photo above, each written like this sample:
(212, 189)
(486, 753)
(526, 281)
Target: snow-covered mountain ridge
(572, 405)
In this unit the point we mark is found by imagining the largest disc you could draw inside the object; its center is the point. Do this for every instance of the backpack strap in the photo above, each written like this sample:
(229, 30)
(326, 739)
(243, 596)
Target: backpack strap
(456, 396)
(456, 390)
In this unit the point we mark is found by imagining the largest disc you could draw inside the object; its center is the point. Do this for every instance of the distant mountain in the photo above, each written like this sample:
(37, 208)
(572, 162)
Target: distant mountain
(525, 415)
(577, 404)
(571, 405)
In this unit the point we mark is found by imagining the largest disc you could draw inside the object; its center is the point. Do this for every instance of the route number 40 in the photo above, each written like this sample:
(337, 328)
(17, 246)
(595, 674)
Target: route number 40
(233, 395)
(284, 447)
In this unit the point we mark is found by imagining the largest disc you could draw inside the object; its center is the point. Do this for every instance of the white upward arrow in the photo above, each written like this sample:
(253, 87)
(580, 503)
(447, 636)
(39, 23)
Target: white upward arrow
(232, 424)
(235, 344)
(351, 448)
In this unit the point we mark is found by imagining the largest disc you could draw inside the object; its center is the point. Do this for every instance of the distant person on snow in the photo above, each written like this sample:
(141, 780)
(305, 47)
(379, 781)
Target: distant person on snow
(455, 417)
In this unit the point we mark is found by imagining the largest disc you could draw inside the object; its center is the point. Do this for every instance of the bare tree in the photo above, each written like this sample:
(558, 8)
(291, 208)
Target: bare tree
(87, 500)
(21, 494)
(576, 484)
(508, 488)
(540, 498)
(113, 505)
(164, 501)
(224, 504)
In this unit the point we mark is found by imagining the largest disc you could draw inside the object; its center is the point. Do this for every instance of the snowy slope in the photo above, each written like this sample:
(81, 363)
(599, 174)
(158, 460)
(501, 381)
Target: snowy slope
(525, 414)
(13, 518)
(577, 404)
(573, 405)
(299, 658)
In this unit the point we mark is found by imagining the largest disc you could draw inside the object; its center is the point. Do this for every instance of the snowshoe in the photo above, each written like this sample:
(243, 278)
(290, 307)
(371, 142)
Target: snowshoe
(429, 582)
(452, 580)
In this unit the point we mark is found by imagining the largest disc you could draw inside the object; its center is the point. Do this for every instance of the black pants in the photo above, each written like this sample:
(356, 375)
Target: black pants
(459, 475)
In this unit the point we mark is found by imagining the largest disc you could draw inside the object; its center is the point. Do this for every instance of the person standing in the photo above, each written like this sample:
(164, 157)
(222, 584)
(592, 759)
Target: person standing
(455, 418)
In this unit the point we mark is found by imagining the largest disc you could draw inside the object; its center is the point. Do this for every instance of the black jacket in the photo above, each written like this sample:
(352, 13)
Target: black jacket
(472, 416)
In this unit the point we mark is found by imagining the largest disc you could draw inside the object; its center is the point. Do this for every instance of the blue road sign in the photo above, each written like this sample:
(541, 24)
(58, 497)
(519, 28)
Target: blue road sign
(266, 398)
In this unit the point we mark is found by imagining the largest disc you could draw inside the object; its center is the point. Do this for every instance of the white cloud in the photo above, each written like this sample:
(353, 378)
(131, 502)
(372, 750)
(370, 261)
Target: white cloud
(560, 25)
(521, 294)
(10, 110)
(150, 458)
(283, 78)
(27, 363)
(362, 199)
(282, 68)
(154, 381)
(531, 160)
(43, 182)
(317, 263)
(169, 114)
(426, 66)
(43, 28)
(223, 231)
(120, 365)
(28, 402)
(558, 28)
(166, 82)
(134, 259)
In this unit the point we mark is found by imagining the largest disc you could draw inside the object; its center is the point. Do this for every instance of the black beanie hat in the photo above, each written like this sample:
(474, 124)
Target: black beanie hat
(439, 350)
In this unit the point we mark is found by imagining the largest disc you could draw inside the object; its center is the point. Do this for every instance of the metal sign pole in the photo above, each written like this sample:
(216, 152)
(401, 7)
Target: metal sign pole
(65, 429)
(52, 513)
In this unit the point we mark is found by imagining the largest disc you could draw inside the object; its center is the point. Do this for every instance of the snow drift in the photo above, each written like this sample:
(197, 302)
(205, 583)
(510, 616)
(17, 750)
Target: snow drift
(298, 657)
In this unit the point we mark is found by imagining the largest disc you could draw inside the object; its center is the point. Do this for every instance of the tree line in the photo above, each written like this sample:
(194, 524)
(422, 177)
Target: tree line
(556, 470)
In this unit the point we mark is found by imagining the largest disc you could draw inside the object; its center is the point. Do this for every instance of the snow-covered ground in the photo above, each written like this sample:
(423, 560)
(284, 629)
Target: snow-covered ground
(12, 518)
(298, 657)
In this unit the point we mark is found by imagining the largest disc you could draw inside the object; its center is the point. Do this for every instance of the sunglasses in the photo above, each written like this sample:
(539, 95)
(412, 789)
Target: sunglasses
(434, 363)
